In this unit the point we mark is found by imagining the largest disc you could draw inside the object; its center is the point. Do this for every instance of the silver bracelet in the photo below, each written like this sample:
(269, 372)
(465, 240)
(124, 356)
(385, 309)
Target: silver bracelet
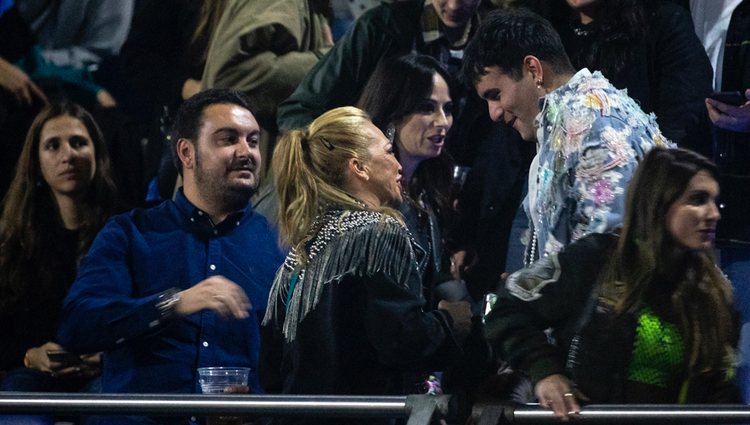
(167, 302)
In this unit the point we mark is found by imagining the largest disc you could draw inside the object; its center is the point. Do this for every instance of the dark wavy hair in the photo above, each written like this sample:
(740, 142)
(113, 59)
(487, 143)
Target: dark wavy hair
(189, 118)
(30, 211)
(396, 89)
(507, 36)
(648, 255)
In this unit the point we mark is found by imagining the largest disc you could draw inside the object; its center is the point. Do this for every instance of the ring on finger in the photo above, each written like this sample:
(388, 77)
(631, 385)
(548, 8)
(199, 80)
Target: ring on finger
(568, 395)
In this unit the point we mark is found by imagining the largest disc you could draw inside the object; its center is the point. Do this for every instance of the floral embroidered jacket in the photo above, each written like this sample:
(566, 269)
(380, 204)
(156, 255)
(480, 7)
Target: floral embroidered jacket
(591, 137)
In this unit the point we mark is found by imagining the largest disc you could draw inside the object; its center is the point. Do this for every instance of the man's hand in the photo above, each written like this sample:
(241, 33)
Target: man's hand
(218, 294)
(190, 87)
(105, 99)
(19, 84)
(557, 393)
(460, 312)
(729, 117)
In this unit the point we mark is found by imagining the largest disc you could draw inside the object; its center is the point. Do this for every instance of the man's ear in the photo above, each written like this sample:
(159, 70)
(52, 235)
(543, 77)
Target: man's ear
(358, 169)
(533, 65)
(186, 153)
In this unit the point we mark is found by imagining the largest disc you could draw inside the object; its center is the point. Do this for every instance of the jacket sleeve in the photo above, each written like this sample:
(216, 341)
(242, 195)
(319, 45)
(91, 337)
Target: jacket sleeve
(600, 175)
(551, 293)
(265, 49)
(401, 331)
(100, 312)
(339, 77)
(682, 79)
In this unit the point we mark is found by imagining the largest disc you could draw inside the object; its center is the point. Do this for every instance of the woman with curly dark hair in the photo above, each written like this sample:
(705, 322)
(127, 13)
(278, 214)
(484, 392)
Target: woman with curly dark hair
(60, 197)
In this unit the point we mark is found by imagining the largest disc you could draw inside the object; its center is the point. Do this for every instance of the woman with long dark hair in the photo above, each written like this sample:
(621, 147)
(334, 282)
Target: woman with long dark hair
(640, 317)
(410, 99)
(60, 197)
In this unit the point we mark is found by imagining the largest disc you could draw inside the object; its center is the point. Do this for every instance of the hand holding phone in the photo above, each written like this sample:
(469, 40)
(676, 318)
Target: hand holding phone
(730, 110)
(64, 358)
(733, 98)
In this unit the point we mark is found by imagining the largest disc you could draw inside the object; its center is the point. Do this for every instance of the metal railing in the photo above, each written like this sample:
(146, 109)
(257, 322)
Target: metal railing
(420, 409)
(493, 414)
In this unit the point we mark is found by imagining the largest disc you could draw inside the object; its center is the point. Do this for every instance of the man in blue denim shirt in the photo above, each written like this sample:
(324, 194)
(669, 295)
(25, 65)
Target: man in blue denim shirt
(182, 285)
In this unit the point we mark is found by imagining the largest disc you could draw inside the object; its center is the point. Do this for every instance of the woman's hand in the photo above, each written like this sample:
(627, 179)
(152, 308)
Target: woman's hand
(89, 367)
(557, 393)
(37, 358)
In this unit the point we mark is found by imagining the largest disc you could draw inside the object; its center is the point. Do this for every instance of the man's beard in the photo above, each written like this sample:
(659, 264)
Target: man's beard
(222, 193)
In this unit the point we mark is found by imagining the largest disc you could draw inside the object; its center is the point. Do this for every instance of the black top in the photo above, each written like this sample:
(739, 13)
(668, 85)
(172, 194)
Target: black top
(33, 320)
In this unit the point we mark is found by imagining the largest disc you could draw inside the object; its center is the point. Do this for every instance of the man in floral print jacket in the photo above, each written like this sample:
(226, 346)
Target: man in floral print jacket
(590, 136)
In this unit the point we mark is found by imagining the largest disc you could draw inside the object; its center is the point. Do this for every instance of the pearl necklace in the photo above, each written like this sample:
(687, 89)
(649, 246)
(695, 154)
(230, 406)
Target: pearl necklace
(530, 256)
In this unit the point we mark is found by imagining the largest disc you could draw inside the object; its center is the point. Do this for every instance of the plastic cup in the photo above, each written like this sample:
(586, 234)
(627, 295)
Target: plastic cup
(223, 380)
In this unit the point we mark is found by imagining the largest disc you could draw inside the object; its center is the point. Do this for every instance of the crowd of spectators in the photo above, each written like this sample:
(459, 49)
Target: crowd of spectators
(161, 157)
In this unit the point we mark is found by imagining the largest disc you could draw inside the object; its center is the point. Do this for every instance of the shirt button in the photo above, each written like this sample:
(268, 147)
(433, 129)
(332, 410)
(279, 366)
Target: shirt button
(212, 267)
(237, 223)
(200, 212)
(205, 343)
(192, 219)
(216, 232)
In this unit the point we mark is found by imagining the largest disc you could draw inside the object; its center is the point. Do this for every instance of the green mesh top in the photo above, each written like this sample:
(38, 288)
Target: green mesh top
(658, 353)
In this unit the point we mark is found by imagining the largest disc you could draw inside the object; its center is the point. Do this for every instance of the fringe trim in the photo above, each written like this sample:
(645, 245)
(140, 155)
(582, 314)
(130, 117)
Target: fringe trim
(349, 242)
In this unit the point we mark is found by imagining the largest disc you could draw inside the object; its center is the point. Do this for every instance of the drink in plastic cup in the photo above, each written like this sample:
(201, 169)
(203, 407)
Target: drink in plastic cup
(224, 380)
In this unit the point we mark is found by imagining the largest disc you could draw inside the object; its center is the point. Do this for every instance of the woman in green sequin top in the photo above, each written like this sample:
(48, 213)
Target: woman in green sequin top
(645, 316)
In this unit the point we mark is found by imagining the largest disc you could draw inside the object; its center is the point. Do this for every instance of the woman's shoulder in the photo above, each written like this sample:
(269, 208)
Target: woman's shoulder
(364, 221)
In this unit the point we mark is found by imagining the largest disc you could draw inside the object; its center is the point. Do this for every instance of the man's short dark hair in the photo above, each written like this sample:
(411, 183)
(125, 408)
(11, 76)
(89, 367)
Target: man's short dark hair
(189, 119)
(506, 37)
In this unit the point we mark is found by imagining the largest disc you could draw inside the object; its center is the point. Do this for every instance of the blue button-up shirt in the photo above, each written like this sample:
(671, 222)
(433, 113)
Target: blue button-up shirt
(112, 306)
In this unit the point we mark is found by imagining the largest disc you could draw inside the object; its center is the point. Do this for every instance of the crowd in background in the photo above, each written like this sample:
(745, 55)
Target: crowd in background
(160, 157)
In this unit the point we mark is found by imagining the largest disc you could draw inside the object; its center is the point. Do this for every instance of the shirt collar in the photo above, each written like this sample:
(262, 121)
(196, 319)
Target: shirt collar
(579, 77)
(201, 220)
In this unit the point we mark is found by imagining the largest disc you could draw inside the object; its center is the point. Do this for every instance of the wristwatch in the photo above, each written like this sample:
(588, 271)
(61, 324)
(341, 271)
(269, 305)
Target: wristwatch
(167, 302)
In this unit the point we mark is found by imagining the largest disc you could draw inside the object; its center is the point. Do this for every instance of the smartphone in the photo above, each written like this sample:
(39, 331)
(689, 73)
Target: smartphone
(734, 98)
(64, 358)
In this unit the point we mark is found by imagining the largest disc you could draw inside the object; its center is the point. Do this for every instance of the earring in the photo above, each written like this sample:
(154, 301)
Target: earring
(539, 83)
(390, 133)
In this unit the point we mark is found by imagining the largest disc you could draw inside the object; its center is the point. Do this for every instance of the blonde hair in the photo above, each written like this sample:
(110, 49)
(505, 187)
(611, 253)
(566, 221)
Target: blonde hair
(310, 171)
